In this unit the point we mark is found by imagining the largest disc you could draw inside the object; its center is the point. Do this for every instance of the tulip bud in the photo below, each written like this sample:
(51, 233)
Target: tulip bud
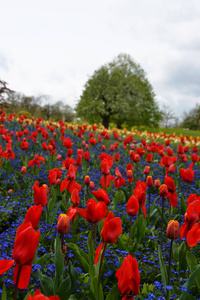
(112, 147)
(92, 185)
(146, 170)
(149, 181)
(172, 168)
(23, 170)
(136, 158)
(63, 224)
(132, 147)
(129, 174)
(10, 191)
(87, 180)
(173, 230)
(46, 188)
(157, 183)
(86, 146)
(103, 148)
(83, 143)
(163, 190)
(58, 158)
(58, 181)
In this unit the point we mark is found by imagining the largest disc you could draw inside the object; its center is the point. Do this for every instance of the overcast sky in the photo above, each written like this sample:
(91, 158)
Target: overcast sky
(51, 47)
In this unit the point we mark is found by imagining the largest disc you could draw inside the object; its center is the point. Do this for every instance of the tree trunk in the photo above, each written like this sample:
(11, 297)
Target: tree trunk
(119, 125)
(105, 121)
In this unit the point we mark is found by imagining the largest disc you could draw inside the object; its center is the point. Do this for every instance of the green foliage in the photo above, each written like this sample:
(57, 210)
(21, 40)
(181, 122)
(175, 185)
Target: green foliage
(24, 112)
(191, 119)
(120, 92)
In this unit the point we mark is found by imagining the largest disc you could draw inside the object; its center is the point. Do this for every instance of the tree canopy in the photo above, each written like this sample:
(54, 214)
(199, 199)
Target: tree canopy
(119, 92)
(191, 119)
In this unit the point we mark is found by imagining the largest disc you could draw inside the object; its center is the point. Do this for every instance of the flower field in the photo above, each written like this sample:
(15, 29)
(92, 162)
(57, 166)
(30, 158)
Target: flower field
(89, 213)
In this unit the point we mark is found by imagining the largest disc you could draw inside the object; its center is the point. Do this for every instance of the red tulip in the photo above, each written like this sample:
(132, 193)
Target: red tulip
(173, 230)
(33, 215)
(119, 181)
(75, 197)
(36, 161)
(128, 277)
(101, 195)
(40, 195)
(54, 174)
(39, 296)
(132, 206)
(112, 228)
(94, 212)
(187, 175)
(63, 224)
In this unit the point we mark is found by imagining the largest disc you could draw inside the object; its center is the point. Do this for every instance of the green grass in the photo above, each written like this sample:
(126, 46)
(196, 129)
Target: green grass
(177, 131)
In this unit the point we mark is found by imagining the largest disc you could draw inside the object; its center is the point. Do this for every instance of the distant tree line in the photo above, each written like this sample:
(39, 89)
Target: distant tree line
(40, 106)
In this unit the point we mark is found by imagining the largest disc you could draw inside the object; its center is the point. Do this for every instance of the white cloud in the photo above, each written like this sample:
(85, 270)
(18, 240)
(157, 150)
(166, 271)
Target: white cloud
(51, 47)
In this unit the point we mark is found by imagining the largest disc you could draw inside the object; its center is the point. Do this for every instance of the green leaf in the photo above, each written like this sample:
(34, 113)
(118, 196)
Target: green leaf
(175, 248)
(58, 259)
(163, 269)
(138, 229)
(63, 207)
(4, 295)
(160, 212)
(153, 204)
(119, 197)
(121, 242)
(183, 205)
(81, 256)
(182, 257)
(51, 203)
(113, 293)
(52, 217)
(189, 282)
(73, 273)
(43, 259)
(64, 288)
(192, 262)
(154, 217)
(46, 285)
(100, 226)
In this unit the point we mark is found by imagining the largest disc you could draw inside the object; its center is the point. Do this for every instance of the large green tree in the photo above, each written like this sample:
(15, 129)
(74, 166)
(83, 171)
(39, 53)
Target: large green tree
(120, 92)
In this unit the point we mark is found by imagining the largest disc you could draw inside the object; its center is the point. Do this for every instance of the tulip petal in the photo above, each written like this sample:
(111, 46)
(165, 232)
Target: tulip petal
(5, 265)
(24, 276)
(193, 236)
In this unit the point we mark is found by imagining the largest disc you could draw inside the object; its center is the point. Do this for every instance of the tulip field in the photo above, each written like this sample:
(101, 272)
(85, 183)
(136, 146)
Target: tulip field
(91, 213)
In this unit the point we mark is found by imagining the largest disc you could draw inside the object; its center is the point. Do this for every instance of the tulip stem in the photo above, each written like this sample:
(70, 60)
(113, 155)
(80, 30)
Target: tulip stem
(149, 199)
(62, 241)
(187, 191)
(169, 269)
(17, 282)
(105, 181)
(162, 214)
(130, 231)
(170, 208)
(100, 266)
(95, 233)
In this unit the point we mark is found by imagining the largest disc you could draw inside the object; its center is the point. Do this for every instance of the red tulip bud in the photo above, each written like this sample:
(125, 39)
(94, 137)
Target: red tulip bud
(146, 170)
(92, 185)
(157, 183)
(23, 170)
(163, 190)
(63, 224)
(173, 230)
(10, 191)
(149, 181)
(87, 180)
